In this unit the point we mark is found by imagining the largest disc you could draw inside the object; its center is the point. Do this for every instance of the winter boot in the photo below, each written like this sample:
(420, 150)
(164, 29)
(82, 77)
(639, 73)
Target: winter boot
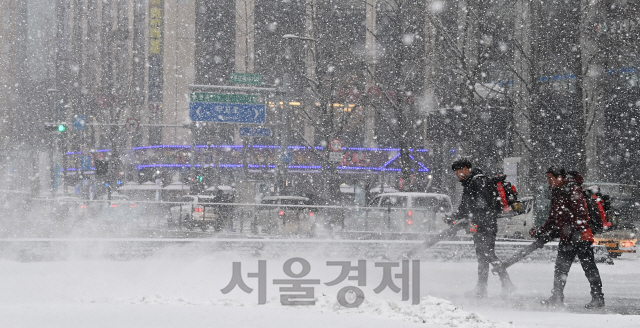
(508, 288)
(555, 301)
(597, 302)
(478, 292)
(557, 295)
(597, 297)
(497, 267)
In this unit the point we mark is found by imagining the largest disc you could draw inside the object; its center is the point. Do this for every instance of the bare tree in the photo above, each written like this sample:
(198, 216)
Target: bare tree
(398, 76)
(330, 86)
(541, 76)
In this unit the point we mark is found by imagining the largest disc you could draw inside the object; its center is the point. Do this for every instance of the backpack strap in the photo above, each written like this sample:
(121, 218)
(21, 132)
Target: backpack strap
(503, 197)
(481, 175)
(603, 216)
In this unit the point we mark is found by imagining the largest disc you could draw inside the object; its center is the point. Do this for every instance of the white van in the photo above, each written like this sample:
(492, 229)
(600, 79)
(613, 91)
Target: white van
(518, 226)
(414, 212)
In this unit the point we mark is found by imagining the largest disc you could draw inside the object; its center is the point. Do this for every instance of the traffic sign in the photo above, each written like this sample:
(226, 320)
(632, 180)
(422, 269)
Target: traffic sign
(79, 122)
(85, 163)
(227, 113)
(286, 157)
(227, 108)
(226, 98)
(336, 156)
(246, 78)
(132, 125)
(255, 132)
(335, 145)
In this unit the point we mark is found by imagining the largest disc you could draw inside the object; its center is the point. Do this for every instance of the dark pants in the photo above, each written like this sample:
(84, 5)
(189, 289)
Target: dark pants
(567, 252)
(485, 243)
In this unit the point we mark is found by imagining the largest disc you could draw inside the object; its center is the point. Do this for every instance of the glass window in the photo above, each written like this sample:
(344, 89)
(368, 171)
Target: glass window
(527, 205)
(393, 201)
(206, 200)
(439, 204)
(293, 202)
(187, 199)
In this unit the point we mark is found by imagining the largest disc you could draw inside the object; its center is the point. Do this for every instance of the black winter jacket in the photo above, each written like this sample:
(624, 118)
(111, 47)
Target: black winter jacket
(569, 215)
(478, 203)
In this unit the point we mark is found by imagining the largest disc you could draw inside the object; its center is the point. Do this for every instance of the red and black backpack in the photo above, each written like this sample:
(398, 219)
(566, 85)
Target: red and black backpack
(597, 206)
(506, 194)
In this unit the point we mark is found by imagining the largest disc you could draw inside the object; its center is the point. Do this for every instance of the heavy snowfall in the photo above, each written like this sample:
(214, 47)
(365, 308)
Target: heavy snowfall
(287, 163)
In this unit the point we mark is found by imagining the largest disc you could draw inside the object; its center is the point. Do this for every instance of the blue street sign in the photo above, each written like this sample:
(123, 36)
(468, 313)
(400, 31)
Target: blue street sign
(255, 132)
(227, 112)
(56, 177)
(85, 163)
(286, 157)
(78, 122)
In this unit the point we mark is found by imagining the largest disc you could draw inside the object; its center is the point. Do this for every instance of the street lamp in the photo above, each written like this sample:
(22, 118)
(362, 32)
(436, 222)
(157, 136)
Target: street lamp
(297, 37)
(311, 77)
(285, 156)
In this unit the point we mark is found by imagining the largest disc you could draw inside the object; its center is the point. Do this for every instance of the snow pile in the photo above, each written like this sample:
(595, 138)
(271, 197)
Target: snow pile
(431, 310)
(160, 300)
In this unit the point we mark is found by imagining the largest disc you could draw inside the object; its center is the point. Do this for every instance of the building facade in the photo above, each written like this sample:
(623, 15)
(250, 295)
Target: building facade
(459, 78)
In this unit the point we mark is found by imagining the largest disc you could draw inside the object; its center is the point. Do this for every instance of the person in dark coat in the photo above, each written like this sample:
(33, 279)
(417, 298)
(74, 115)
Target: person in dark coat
(568, 218)
(479, 206)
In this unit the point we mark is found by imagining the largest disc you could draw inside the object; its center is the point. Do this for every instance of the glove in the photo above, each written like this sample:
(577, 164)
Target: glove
(448, 220)
(517, 206)
(537, 234)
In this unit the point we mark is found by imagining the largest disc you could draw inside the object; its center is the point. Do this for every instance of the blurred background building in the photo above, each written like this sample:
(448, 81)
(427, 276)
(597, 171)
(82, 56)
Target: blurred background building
(517, 82)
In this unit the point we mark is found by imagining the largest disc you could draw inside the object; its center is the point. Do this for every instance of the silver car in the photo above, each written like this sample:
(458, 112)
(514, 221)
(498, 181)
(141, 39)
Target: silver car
(414, 212)
(285, 215)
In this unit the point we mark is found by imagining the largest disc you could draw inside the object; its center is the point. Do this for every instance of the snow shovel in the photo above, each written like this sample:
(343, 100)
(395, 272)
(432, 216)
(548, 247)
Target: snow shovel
(434, 239)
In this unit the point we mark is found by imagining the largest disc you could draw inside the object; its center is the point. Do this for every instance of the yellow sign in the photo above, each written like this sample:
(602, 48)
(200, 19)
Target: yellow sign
(155, 27)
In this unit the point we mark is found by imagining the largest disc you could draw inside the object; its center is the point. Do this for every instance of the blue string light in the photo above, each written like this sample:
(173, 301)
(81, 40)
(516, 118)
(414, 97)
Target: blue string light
(418, 162)
(389, 162)
(254, 146)
(309, 167)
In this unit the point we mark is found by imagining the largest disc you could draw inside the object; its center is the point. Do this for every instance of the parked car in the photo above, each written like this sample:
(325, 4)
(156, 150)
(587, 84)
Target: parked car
(202, 211)
(117, 210)
(285, 215)
(624, 215)
(414, 212)
(69, 208)
(517, 226)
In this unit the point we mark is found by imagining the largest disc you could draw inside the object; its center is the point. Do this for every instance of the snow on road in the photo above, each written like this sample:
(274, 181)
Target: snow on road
(182, 287)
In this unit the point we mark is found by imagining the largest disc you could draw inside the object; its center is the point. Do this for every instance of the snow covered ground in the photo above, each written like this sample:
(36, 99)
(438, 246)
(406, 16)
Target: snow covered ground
(181, 286)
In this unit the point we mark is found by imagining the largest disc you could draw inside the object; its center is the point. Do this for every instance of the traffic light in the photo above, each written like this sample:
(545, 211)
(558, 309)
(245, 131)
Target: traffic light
(59, 127)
